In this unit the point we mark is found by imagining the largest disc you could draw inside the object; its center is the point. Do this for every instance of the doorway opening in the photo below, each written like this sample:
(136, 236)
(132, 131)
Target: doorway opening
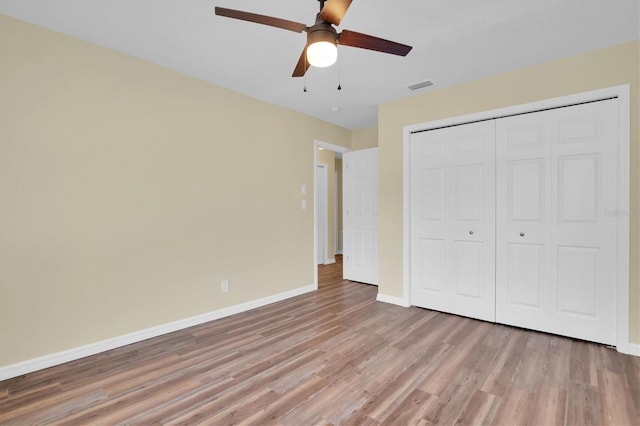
(327, 205)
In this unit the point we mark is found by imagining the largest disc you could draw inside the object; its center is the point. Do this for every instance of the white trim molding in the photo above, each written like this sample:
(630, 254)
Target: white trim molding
(393, 300)
(623, 94)
(35, 364)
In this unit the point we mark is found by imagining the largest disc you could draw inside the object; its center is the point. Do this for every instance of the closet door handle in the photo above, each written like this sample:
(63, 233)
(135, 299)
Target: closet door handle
(470, 232)
(522, 234)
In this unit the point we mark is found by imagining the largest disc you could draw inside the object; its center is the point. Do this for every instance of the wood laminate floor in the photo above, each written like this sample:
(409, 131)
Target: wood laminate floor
(336, 356)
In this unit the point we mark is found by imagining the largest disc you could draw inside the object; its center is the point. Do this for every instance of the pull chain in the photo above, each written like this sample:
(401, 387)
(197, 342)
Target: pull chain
(306, 69)
(339, 73)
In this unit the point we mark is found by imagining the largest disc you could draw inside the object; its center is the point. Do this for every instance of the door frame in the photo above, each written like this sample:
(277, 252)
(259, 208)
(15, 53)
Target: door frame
(623, 211)
(329, 147)
(321, 215)
(336, 201)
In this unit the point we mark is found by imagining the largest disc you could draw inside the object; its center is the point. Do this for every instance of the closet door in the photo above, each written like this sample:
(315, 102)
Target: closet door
(556, 231)
(453, 220)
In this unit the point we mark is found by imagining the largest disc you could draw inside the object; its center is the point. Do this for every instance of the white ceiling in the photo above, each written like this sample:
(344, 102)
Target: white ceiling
(453, 41)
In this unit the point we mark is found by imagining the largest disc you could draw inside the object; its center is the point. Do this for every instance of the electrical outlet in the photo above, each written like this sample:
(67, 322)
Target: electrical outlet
(224, 286)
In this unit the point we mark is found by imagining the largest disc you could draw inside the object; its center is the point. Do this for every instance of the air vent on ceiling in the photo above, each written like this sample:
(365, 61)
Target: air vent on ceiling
(420, 85)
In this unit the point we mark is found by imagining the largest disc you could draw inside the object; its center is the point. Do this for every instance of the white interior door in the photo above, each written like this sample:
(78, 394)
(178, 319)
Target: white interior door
(556, 239)
(321, 213)
(360, 215)
(453, 220)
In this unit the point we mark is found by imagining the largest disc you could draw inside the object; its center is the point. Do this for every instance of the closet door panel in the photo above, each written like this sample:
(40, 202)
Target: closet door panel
(556, 247)
(429, 246)
(471, 160)
(584, 229)
(453, 220)
(523, 197)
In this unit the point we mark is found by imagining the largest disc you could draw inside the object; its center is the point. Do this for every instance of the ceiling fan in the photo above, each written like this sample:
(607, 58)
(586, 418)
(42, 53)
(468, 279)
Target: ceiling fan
(322, 37)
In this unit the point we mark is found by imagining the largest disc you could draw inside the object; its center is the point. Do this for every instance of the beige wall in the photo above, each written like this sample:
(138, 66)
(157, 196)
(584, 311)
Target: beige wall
(328, 158)
(128, 192)
(364, 138)
(600, 69)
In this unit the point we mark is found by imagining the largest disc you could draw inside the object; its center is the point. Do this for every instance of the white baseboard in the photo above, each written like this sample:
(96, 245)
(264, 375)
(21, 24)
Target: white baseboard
(24, 367)
(392, 299)
(338, 251)
(330, 261)
(634, 349)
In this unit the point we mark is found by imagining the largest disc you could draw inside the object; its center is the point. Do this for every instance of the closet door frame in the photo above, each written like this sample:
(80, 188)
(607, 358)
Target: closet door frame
(622, 212)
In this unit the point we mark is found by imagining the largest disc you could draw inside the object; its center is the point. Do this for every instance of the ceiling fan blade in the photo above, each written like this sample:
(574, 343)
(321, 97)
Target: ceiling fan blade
(302, 66)
(334, 10)
(261, 19)
(364, 41)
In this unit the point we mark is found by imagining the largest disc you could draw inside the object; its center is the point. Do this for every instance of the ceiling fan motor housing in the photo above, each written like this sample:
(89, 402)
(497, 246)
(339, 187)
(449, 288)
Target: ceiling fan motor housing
(321, 32)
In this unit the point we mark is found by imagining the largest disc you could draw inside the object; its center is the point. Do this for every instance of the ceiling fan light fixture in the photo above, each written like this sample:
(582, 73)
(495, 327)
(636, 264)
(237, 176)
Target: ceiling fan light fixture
(322, 50)
(322, 54)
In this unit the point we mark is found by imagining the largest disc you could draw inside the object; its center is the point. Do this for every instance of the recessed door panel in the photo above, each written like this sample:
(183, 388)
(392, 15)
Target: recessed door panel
(579, 130)
(431, 257)
(471, 142)
(468, 266)
(469, 192)
(525, 136)
(577, 280)
(432, 193)
(578, 188)
(525, 275)
(362, 196)
(526, 190)
(434, 149)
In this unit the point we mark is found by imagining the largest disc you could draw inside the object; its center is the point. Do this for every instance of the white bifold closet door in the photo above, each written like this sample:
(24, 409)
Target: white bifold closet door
(514, 220)
(556, 227)
(453, 220)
